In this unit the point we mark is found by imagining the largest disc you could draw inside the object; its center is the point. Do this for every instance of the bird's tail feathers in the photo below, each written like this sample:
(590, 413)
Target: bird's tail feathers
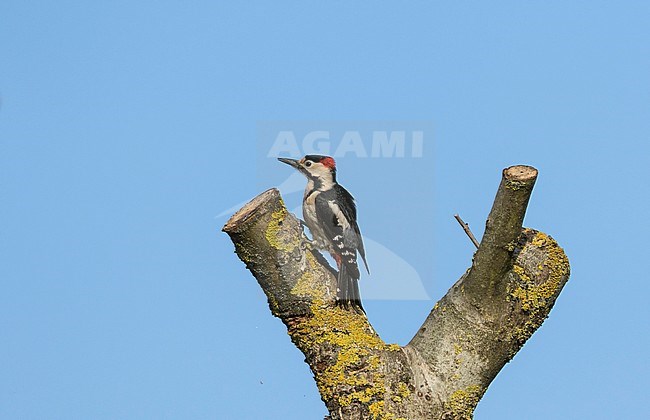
(348, 295)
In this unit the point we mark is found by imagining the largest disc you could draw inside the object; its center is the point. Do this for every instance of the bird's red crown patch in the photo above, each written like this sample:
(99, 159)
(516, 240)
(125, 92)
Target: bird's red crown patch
(328, 162)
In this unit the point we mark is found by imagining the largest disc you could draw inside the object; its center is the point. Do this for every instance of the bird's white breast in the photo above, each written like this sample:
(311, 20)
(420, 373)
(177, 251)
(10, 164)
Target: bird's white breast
(309, 213)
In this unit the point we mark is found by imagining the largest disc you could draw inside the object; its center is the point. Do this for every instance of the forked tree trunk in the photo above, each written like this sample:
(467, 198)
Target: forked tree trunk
(470, 334)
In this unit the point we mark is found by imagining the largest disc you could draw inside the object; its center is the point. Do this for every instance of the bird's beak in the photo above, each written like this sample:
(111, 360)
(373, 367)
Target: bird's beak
(291, 162)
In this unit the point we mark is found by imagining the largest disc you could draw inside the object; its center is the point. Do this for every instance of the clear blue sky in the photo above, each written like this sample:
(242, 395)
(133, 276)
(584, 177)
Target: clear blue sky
(127, 128)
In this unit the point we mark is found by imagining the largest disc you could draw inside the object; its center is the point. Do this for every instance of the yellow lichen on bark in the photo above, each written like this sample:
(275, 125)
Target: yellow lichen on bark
(272, 232)
(308, 285)
(355, 376)
(462, 402)
(533, 296)
(537, 287)
(356, 345)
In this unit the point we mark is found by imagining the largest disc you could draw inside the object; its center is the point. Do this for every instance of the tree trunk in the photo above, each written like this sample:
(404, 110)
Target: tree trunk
(470, 334)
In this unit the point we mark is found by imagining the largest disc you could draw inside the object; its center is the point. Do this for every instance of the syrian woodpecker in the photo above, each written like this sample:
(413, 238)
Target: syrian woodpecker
(331, 216)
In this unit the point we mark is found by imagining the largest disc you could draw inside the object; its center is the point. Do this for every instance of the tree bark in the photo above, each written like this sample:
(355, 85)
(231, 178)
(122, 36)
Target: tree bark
(471, 333)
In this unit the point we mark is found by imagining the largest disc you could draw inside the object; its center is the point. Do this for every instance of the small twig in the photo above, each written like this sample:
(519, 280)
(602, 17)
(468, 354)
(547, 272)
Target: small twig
(467, 230)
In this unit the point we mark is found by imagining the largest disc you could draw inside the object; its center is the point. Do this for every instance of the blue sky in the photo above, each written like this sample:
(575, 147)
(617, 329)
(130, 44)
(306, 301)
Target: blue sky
(126, 129)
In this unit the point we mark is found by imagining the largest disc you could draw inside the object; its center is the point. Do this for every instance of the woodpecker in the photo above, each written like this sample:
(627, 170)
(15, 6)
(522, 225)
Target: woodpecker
(331, 216)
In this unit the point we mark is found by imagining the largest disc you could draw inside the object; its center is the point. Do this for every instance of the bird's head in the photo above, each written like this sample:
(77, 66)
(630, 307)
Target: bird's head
(315, 167)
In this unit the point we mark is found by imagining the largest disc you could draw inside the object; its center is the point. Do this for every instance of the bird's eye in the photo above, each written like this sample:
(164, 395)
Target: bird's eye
(308, 163)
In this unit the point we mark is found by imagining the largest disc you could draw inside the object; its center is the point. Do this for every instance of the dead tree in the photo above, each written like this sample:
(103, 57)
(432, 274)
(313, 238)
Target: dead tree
(471, 333)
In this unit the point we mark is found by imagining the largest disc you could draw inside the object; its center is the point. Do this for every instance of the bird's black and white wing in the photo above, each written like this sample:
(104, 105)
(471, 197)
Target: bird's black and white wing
(337, 213)
(344, 242)
(349, 210)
